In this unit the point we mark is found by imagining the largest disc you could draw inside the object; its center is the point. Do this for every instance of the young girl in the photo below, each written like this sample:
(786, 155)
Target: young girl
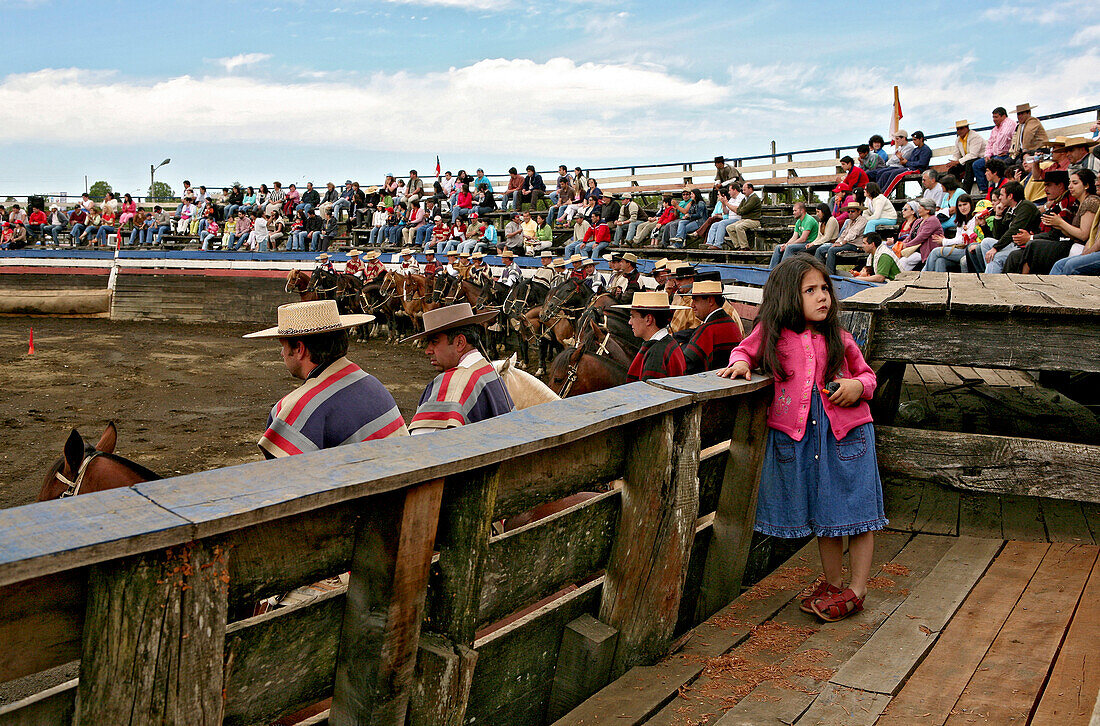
(820, 474)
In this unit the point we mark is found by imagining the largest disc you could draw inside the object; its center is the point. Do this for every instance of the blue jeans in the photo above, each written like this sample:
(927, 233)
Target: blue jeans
(1080, 265)
(470, 245)
(574, 248)
(997, 264)
(207, 238)
(101, 234)
(456, 212)
(230, 211)
(303, 207)
(158, 231)
(979, 172)
(75, 232)
(792, 249)
(442, 248)
(717, 232)
(392, 234)
(423, 235)
(686, 227)
(136, 235)
(827, 254)
(939, 258)
(874, 224)
(482, 211)
(314, 240)
(375, 236)
(53, 230)
(598, 250)
(339, 205)
(236, 240)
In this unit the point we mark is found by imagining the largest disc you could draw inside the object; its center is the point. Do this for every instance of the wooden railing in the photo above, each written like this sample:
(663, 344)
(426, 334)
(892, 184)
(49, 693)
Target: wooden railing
(151, 588)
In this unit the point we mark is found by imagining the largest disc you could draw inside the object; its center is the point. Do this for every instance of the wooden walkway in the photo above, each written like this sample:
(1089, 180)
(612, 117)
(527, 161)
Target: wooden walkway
(956, 630)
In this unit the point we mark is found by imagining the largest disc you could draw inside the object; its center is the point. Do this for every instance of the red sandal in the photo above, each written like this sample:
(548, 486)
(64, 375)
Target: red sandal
(832, 608)
(823, 588)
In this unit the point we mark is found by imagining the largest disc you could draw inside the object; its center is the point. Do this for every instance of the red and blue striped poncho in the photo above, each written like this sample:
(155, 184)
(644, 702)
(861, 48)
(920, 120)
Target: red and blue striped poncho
(341, 404)
(470, 392)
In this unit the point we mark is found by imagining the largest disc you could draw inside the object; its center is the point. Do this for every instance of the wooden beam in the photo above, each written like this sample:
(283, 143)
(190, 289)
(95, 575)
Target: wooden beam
(154, 638)
(52, 706)
(584, 664)
(444, 676)
(385, 603)
(994, 464)
(736, 512)
(649, 560)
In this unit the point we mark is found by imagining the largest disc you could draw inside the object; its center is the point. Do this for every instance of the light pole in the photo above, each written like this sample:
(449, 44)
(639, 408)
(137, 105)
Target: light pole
(152, 182)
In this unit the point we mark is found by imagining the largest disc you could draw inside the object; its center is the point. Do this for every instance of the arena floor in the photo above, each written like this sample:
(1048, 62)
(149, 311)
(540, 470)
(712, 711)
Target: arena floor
(184, 397)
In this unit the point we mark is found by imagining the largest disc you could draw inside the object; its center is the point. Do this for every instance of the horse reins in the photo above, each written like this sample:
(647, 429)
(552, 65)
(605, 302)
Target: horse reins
(72, 486)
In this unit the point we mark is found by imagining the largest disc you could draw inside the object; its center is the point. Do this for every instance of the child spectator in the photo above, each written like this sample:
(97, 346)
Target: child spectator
(820, 475)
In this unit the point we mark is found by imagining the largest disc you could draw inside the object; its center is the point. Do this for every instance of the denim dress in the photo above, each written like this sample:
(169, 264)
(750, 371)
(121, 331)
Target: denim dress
(820, 486)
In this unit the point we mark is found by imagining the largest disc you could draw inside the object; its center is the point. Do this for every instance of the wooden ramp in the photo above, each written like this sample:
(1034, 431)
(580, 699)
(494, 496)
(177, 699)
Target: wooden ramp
(956, 630)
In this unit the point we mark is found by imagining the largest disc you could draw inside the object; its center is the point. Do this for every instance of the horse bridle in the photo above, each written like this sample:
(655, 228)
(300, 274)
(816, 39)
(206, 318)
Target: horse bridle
(574, 368)
(72, 486)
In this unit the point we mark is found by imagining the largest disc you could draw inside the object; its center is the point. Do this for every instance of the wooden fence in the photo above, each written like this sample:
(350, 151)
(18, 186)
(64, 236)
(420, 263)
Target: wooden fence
(151, 588)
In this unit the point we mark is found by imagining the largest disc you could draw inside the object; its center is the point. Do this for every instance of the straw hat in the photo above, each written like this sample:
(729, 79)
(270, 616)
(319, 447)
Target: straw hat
(354, 253)
(705, 287)
(1024, 108)
(450, 317)
(321, 257)
(464, 254)
(853, 206)
(372, 190)
(477, 256)
(630, 257)
(558, 263)
(507, 254)
(1078, 142)
(309, 318)
(660, 264)
(650, 301)
(373, 255)
(405, 252)
(610, 257)
(576, 258)
(962, 124)
(588, 261)
(546, 253)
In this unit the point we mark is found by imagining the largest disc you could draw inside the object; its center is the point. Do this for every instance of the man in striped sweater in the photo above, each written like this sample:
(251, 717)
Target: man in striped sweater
(338, 402)
(467, 389)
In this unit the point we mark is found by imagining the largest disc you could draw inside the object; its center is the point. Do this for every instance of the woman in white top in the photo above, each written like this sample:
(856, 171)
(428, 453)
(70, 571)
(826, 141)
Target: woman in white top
(880, 210)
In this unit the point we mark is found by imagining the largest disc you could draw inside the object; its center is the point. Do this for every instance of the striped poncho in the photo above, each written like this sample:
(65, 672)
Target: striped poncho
(341, 404)
(470, 392)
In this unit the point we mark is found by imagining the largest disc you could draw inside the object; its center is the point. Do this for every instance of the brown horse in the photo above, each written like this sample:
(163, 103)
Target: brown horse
(83, 469)
(298, 281)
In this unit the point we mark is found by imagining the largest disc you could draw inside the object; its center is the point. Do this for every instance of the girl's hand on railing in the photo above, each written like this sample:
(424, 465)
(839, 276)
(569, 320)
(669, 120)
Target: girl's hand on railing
(740, 369)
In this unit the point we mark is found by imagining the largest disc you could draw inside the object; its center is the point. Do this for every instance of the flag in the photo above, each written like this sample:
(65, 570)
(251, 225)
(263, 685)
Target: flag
(895, 116)
(437, 167)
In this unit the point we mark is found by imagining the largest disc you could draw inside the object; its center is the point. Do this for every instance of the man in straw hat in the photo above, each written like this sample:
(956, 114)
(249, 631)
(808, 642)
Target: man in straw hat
(969, 147)
(660, 356)
(627, 279)
(409, 263)
(511, 274)
(467, 389)
(324, 264)
(1029, 135)
(354, 265)
(338, 403)
(1077, 151)
(374, 274)
(711, 343)
(849, 239)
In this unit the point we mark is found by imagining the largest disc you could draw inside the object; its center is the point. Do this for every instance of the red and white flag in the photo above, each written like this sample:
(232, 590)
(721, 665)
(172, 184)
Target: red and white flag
(895, 116)
(437, 167)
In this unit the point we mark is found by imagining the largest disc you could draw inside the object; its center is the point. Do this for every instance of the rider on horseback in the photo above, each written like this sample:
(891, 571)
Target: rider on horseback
(660, 356)
(408, 262)
(354, 265)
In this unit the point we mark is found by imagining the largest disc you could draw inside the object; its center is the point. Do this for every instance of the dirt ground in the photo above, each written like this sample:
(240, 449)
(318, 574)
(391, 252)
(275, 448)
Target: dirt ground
(184, 397)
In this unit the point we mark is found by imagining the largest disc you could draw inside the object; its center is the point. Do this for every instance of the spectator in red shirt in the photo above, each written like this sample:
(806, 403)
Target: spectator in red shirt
(854, 176)
(35, 223)
(599, 236)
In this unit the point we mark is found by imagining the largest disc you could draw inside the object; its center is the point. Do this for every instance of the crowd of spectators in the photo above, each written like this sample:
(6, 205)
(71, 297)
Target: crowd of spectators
(980, 211)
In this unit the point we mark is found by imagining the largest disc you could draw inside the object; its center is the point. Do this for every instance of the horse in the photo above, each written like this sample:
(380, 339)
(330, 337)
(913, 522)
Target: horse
(83, 469)
(521, 300)
(574, 372)
(299, 282)
(524, 388)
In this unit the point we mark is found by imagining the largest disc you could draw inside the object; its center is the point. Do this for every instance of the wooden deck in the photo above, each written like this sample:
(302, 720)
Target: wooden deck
(956, 630)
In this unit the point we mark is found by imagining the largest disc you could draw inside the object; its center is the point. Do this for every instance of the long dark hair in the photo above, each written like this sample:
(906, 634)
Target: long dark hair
(960, 218)
(782, 308)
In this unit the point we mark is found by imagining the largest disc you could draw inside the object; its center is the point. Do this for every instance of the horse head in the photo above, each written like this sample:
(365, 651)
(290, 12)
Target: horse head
(558, 299)
(84, 468)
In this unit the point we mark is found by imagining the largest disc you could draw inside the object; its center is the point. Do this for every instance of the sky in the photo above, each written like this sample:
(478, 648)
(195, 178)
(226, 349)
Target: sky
(354, 89)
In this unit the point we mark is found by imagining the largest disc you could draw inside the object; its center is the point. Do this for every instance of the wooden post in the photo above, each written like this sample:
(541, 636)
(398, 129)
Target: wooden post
(584, 664)
(154, 638)
(444, 672)
(384, 608)
(736, 513)
(884, 405)
(649, 559)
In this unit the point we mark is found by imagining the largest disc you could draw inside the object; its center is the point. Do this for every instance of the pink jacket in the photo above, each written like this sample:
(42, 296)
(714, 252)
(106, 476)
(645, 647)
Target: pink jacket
(804, 356)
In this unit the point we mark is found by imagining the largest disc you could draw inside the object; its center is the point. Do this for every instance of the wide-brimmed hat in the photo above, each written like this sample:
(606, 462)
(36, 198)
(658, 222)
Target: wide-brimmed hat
(853, 205)
(449, 318)
(576, 258)
(1056, 176)
(558, 262)
(660, 264)
(650, 301)
(310, 318)
(588, 261)
(464, 254)
(507, 254)
(610, 256)
(353, 253)
(1078, 142)
(705, 287)
(321, 257)
(629, 257)
(1024, 108)
(683, 270)
(962, 123)
(407, 251)
(373, 255)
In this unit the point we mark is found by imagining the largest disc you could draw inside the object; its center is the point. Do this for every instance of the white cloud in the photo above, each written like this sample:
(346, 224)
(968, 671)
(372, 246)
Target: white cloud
(550, 106)
(232, 63)
(464, 4)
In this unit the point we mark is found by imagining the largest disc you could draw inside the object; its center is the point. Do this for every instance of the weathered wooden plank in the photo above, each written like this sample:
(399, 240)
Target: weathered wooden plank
(1092, 516)
(938, 512)
(154, 643)
(1075, 680)
(283, 660)
(736, 512)
(873, 298)
(584, 664)
(1022, 519)
(892, 653)
(46, 537)
(901, 502)
(838, 706)
(55, 705)
(1065, 521)
(41, 622)
(538, 559)
(1040, 342)
(444, 677)
(995, 464)
(650, 555)
(925, 299)
(516, 664)
(929, 695)
(709, 385)
(712, 469)
(980, 515)
(1023, 651)
(929, 375)
(884, 406)
(384, 609)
